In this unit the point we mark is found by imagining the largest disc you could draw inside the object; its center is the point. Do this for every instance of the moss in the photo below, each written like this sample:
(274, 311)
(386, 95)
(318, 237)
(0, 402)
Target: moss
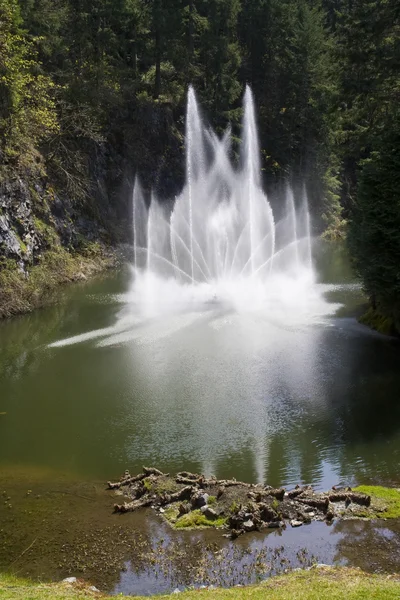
(211, 500)
(160, 485)
(385, 502)
(47, 232)
(381, 323)
(275, 504)
(326, 583)
(172, 513)
(196, 519)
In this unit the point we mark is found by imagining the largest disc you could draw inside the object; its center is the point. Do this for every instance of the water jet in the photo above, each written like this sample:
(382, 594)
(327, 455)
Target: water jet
(221, 242)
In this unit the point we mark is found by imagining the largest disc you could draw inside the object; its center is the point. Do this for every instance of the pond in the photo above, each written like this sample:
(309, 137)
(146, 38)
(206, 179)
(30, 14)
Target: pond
(83, 397)
(213, 392)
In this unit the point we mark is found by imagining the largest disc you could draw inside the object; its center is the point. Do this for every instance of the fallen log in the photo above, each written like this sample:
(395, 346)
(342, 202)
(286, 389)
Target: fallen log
(188, 480)
(128, 481)
(131, 506)
(356, 497)
(230, 483)
(320, 503)
(183, 494)
(298, 491)
(152, 471)
(188, 475)
(276, 493)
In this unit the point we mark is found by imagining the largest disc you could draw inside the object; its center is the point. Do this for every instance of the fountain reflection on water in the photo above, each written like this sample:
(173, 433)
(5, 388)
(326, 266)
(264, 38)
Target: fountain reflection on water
(220, 244)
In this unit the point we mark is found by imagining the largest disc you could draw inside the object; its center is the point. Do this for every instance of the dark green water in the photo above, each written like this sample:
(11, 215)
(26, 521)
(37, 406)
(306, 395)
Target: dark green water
(212, 392)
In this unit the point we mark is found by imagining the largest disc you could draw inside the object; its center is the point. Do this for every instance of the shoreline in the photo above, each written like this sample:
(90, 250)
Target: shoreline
(319, 582)
(24, 292)
(55, 529)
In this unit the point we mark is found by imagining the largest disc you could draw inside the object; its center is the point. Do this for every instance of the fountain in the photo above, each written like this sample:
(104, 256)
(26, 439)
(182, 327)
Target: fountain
(220, 256)
(221, 242)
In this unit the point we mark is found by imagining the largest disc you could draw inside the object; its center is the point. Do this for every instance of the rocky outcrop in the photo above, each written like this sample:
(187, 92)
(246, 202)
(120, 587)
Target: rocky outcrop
(33, 218)
(19, 239)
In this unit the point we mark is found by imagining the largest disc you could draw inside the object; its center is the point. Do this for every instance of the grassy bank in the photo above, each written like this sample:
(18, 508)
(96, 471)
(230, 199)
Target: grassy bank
(316, 584)
(22, 293)
(385, 502)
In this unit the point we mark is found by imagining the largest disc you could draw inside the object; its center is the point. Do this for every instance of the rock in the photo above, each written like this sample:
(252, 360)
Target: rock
(69, 580)
(248, 525)
(199, 499)
(161, 510)
(295, 523)
(275, 524)
(208, 512)
(176, 591)
(235, 533)
(184, 509)
(93, 588)
(267, 513)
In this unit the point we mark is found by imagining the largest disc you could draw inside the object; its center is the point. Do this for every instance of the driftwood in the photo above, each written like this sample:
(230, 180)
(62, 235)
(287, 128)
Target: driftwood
(188, 475)
(266, 506)
(152, 471)
(131, 506)
(356, 497)
(183, 494)
(278, 494)
(229, 482)
(128, 481)
(188, 480)
(320, 503)
(298, 491)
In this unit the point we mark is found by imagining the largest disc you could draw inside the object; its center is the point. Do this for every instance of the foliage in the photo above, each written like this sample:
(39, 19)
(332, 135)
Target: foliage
(27, 109)
(375, 228)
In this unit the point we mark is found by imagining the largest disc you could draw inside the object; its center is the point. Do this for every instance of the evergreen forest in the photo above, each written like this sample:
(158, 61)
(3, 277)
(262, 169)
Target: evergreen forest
(95, 90)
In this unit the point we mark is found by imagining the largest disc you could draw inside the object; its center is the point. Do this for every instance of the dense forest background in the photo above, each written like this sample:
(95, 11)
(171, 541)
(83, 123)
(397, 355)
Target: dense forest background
(92, 91)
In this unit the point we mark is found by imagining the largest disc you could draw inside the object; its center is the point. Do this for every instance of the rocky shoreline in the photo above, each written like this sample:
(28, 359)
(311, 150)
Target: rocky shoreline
(188, 500)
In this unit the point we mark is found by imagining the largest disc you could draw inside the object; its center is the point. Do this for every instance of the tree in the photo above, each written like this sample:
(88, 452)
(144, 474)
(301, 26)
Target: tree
(27, 110)
(375, 227)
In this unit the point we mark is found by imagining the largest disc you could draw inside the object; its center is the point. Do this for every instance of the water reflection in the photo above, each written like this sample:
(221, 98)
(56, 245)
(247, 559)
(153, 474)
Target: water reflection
(212, 391)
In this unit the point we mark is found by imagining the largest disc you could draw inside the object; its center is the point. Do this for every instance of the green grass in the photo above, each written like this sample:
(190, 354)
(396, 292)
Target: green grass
(196, 519)
(327, 583)
(385, 501)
